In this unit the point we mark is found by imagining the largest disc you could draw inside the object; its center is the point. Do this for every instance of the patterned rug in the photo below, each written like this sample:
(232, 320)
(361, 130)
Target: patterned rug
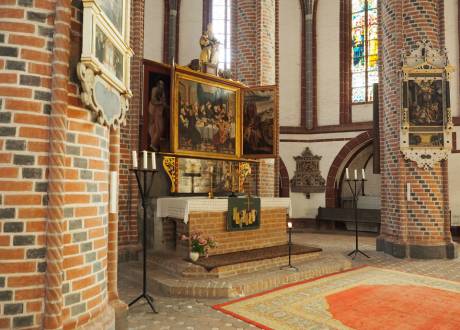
(360, 298)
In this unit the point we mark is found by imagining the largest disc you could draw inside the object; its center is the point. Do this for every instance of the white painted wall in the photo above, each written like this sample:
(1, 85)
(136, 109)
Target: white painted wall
(290, 29)
(362, 113)
(190, 30)
(454, 183)
(328, 47)
(451, 21)
(153, 30)
(301, 206)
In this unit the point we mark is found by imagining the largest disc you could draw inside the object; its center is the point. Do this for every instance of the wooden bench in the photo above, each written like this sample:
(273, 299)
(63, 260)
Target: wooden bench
(369, 217)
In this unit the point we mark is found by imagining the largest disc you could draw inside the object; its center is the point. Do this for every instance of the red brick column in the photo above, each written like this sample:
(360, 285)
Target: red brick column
(129, 141)
(418, 228)
(58, 127)
(255, 62)
(120, 308)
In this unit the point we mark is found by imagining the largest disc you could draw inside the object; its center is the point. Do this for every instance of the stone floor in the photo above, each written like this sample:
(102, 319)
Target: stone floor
(197, 314)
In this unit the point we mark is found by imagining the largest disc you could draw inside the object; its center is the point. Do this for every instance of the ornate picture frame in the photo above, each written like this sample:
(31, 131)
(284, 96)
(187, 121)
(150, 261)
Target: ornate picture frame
(206, 116)
(156, 107)
(104, 68)
(426, 117)
(260, 122)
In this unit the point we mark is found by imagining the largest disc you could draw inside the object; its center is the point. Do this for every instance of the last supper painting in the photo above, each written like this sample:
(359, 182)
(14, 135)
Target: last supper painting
(207, 114)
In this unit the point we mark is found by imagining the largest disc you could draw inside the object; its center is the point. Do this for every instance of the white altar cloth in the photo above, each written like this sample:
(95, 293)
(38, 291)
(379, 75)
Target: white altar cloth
(181, 207)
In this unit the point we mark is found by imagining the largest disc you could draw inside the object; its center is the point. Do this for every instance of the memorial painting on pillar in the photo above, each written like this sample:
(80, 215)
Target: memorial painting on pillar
(156, 107)
(259, 122)
(206, 118)
(426, 117)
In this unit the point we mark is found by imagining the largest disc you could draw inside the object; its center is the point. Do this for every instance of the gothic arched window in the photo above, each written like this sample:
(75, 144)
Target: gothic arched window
(222, 27)
(364, 50)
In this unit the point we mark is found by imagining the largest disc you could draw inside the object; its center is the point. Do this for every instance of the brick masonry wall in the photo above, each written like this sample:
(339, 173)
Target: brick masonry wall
(272, 231)
(26, 45)
(25, 92)
(255, 44)
(424, 220)
(128, 193)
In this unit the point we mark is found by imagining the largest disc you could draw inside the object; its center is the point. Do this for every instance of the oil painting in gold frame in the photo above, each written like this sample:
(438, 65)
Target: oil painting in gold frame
(206, 118)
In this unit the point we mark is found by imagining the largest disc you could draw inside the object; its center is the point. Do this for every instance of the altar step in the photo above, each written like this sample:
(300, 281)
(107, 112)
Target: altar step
(235, 263)
(165, 282)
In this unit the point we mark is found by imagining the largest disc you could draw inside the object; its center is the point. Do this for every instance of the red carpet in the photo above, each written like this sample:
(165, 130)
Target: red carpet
(396, 307)
(363, 298)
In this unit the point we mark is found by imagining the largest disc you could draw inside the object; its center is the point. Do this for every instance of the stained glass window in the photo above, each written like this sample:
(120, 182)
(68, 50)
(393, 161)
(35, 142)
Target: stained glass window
(364, 49)
(221, 23)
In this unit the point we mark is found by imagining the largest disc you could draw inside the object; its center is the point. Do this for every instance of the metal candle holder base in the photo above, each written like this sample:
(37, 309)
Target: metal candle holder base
(289, 266)
(144, 192)
(355, 191)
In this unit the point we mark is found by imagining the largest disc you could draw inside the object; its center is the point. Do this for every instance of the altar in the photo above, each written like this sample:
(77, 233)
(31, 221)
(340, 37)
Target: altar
(187, 215)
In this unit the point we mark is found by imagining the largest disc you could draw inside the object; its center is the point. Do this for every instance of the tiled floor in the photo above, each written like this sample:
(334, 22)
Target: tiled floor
(197, 314)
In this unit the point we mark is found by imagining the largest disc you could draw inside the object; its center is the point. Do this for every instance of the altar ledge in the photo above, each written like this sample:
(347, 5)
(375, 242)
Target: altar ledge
(181, 207)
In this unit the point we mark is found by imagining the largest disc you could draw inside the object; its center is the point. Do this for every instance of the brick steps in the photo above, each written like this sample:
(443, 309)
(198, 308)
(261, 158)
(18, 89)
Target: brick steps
(177, 266)
(241, 285)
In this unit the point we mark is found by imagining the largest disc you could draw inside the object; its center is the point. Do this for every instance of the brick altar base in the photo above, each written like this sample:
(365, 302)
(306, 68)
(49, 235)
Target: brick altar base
(403, 250)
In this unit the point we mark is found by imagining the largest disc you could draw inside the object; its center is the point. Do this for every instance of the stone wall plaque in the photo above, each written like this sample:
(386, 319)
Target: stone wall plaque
(307, 178)
(105, 60)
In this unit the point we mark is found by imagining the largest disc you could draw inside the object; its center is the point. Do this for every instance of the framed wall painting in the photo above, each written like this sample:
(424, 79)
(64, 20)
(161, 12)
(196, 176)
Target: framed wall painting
(194, 176)
(260, 108)
(206, 116)
(155, 125)
(426, 115)
(104, 65)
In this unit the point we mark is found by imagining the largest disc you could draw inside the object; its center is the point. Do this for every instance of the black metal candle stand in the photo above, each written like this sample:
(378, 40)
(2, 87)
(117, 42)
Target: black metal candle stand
(289, 265)
(147, 177)
(355, 192)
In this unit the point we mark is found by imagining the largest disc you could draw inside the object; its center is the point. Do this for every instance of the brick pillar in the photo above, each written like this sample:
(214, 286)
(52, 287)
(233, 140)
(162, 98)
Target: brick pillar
(53, 318)
(419, 228)
(129, 141)
(254, 45)
(120, 308)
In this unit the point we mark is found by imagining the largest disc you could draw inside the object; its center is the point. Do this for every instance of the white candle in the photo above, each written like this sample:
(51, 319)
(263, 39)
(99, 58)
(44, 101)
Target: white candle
(356, 174)
(363, 173)
(154, 161)
(347, 174)
(134, 153)
(408, 192)
(211, 169)
(289, 224)
(145, 159)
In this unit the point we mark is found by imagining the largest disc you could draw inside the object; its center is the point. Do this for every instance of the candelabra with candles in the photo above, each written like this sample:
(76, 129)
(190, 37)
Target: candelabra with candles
(355, 192)
(145, 184)
(289, 265)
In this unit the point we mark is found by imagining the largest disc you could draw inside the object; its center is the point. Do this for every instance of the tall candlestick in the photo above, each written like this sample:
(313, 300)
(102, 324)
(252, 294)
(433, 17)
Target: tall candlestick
(347, 174)
(134, 153)
(363, 173)
(408, 192)
(145, 159)
(356, 174)
(154, 161)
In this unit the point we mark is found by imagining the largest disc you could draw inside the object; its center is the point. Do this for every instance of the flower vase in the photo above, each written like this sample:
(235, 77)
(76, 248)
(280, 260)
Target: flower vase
(194, 256)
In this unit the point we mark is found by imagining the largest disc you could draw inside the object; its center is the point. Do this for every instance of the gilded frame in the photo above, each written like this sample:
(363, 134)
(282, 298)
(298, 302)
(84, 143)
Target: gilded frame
(273, 89)
(185, 74)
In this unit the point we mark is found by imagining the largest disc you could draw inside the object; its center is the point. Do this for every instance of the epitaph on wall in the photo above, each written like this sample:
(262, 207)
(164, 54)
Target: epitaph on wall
(307, 178)
(426, 117)
(105, 60)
